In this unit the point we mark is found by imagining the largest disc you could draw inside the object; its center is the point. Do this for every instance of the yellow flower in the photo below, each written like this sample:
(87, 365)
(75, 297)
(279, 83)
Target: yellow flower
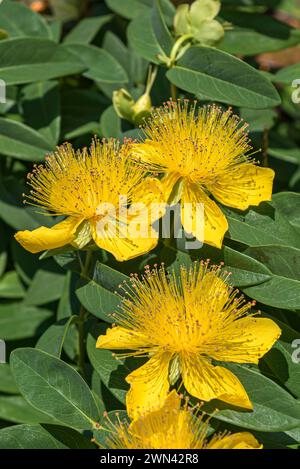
(173, 427)
(93, 189)
(183, 323)
(200, 152)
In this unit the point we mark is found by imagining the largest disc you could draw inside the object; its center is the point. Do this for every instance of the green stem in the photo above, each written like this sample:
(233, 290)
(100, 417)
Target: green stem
(152, 72)
(176, 52)
(81, 319)
(81, 342)
(173, 92)
(176, 48)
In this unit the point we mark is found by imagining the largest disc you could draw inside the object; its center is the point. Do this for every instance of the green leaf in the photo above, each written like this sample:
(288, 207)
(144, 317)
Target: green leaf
(254, 33)
(113, 44)
(245, 271)
(52, 340)
(288, 203)
(23, 142)
(283, 290)
(101, 66)
(258, 120)
(142, 39)
(85, 31)
(160, 28)
(288, 74)
(69, 306)
(7, 382)
(20, 21)
(132, 8)
(274, 409)
(67, 11)
(81, 111)
(10, 286)
(50, 60)
(284, 148)
(46, 286)
(29, 320)
(135, 67)
(111, 371)
(105, 399)
(16, 409)
(55, 25)
(282, 260)
(218, 76)
(278, 440)
(68, 398)
(283, 360)
(3, 247)
(42, 437)
(12, 210)
(27, 264)
(260, 226)
(98, 296)
(41, 108)
(110, 123)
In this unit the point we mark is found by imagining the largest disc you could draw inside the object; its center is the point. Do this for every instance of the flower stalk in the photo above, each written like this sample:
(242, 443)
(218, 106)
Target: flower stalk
(82, 317)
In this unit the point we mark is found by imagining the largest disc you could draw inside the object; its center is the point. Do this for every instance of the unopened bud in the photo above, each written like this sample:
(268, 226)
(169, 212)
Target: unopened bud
(198, 20)
(123, 103)
(142, 109)
(127, 108)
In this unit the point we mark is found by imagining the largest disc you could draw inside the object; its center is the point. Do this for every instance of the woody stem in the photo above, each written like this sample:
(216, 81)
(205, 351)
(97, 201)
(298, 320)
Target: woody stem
(81, 319)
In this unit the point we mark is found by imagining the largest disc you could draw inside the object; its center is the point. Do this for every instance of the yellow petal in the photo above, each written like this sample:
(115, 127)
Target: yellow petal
(146, 425)
(82, 236)
(242, 440)
(212, 229)
(245, 185)
(44, 238)
(119, 338)
(150, 195)
(148, 154)
(149, 385)
(206, 382)
(121, 245)
(247, 340)
(168, 427)
(172, 185)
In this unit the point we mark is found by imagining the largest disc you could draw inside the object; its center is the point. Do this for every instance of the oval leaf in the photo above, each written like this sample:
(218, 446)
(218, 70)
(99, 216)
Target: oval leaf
(216, 75)
(54, 387)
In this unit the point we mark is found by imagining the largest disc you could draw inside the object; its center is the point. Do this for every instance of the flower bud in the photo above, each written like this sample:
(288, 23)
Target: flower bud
(123, 103)
(127, 108)
(198, 21)
(142, 108)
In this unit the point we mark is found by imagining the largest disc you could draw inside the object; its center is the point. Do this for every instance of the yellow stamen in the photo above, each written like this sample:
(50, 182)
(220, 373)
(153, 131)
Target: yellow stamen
(196, 143)
(75, 183)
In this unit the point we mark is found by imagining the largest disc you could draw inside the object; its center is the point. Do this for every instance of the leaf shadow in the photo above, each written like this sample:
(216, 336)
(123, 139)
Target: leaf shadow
(281, 375)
